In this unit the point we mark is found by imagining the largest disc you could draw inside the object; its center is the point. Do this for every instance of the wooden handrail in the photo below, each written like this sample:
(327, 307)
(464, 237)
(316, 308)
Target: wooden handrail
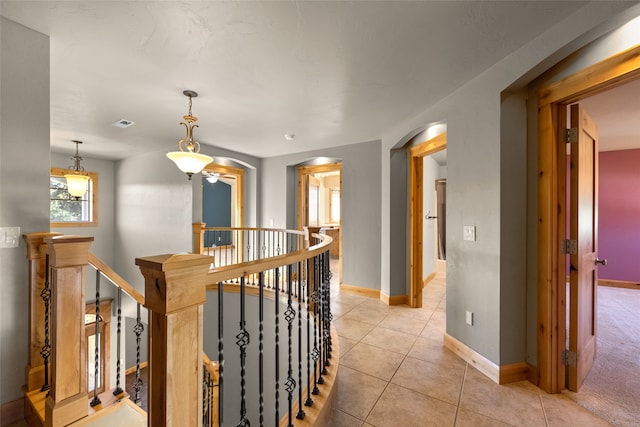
(115, 278)
(229, 272)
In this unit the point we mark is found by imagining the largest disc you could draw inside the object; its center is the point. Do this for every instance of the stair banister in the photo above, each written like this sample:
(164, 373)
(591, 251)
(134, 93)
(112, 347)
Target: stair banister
(68, 259)
(36, 254)
(175, 294)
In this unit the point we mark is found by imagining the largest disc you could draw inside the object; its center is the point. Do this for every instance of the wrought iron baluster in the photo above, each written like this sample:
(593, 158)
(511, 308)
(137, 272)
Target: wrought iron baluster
(277, 305)
(261, 347)
(309, 400)
(45, 352)
(96, 366)
(118, 390)
(220, 354)
(300, 415)
(138, 329)
(242, 340)
(329, 316)
(315, 354)
(319, 323)
(289, 316)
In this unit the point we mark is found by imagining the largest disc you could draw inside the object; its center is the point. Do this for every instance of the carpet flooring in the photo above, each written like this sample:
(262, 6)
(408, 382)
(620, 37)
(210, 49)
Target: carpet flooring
(611, 389)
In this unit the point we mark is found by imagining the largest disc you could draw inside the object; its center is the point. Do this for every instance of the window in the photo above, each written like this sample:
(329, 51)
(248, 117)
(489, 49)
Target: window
(68, 211)
(335, 205)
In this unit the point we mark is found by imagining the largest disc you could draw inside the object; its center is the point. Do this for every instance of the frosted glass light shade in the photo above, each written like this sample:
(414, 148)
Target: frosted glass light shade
(189, 162)
(77, 184)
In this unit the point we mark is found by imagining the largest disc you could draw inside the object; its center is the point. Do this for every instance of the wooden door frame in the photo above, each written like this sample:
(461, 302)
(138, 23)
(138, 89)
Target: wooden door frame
(552, 210)
(303, 195)
(416, 154)
(238, 174)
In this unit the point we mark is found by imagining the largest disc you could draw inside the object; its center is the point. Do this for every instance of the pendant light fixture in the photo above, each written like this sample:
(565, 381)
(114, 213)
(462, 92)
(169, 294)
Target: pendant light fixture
(77, 181)
(188, 159)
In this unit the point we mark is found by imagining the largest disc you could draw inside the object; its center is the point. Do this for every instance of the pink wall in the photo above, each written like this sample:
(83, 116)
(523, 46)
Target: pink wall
(619, 215)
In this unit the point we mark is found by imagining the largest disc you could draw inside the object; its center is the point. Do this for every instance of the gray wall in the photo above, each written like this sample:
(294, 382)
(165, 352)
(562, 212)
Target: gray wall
(478, 272)
(24, 185)
(360, 199)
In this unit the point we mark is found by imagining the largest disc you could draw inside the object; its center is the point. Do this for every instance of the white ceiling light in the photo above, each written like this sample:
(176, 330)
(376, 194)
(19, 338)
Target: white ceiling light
(188, 159)
(289, 136)
(212, 177)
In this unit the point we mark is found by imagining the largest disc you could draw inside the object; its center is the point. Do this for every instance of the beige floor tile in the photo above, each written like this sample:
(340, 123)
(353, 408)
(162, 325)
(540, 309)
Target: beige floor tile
(442, 381)
(352, 329)
(352, 299)
(562, 411)
(399, 406)
(346, 344)
(342, 419)
(340, 309)
(391, 340)
(357, 392)
(432, 350)
(372, 360)
(367, 314)
(471, 419)
(403, 323)
(516, 404)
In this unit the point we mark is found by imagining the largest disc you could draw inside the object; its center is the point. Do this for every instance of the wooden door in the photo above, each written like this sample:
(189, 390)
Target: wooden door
(584, 231)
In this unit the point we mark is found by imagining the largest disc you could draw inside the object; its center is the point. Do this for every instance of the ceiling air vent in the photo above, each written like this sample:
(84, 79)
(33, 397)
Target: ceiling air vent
(123, 123)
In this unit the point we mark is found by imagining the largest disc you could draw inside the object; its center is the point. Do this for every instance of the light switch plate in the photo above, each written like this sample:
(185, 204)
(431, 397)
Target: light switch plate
(469, 318)
(469, 233)
(9, 237)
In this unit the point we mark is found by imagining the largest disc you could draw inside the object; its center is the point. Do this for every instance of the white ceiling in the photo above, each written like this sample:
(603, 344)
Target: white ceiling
(332, 73)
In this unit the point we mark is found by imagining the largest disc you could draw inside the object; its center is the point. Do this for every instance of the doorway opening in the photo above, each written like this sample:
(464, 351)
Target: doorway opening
(431, 219)
(320, 205)
(223, 206)
(553, 209)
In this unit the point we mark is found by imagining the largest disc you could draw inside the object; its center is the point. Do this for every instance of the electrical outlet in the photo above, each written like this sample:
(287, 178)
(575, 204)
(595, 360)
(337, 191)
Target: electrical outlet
(469, 318)
(9, 237)
(469, 233)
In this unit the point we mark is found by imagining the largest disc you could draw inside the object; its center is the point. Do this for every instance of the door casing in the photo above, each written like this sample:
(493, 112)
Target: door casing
(552, 208)
(416, 217)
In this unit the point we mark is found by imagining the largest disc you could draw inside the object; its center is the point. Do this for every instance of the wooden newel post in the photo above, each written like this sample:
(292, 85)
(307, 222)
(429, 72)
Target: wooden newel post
(68, 258)
(174, 294)
(36, 254)
(198, 237)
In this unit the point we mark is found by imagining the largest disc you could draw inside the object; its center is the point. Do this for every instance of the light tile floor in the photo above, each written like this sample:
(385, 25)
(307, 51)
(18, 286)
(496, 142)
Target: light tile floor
(394, 371)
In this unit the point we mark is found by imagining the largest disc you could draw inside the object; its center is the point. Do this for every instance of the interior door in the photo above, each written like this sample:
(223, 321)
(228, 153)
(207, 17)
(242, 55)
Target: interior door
(584, 231)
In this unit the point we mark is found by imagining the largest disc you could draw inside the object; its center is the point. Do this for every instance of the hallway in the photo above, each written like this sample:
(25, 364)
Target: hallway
(395, 372)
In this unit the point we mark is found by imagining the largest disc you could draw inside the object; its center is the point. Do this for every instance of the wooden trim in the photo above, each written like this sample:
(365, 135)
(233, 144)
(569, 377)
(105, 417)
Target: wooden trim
(513, 373)
(428, 279)
(393, 299)
(473, 358)
(13, 411)
(94, 200)
(358, 290)
(611, 72)
(533, 376)
(618, 284)
(132, 369)
(416, 153)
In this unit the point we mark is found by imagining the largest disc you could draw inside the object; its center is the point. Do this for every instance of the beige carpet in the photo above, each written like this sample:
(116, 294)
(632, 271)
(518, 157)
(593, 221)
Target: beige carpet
(612, 388)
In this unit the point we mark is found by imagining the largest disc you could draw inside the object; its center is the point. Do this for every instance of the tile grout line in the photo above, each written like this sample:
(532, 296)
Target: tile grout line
(464, 380)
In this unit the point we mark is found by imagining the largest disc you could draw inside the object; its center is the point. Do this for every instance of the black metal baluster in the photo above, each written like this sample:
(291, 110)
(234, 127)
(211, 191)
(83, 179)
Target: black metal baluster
(45, 352)
(96, 366)
(242, 340)
(315, 354)
(300, 415)
(277, 305)
(261, 347)
(290, 315)
(328, 276)
(118, 390)
(138, 329)
(318, 313)
(220, 355)
(309, 400)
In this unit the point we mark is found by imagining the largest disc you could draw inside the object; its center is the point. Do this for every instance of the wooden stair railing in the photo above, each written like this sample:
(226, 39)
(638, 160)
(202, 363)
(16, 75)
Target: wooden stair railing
(57, 267)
